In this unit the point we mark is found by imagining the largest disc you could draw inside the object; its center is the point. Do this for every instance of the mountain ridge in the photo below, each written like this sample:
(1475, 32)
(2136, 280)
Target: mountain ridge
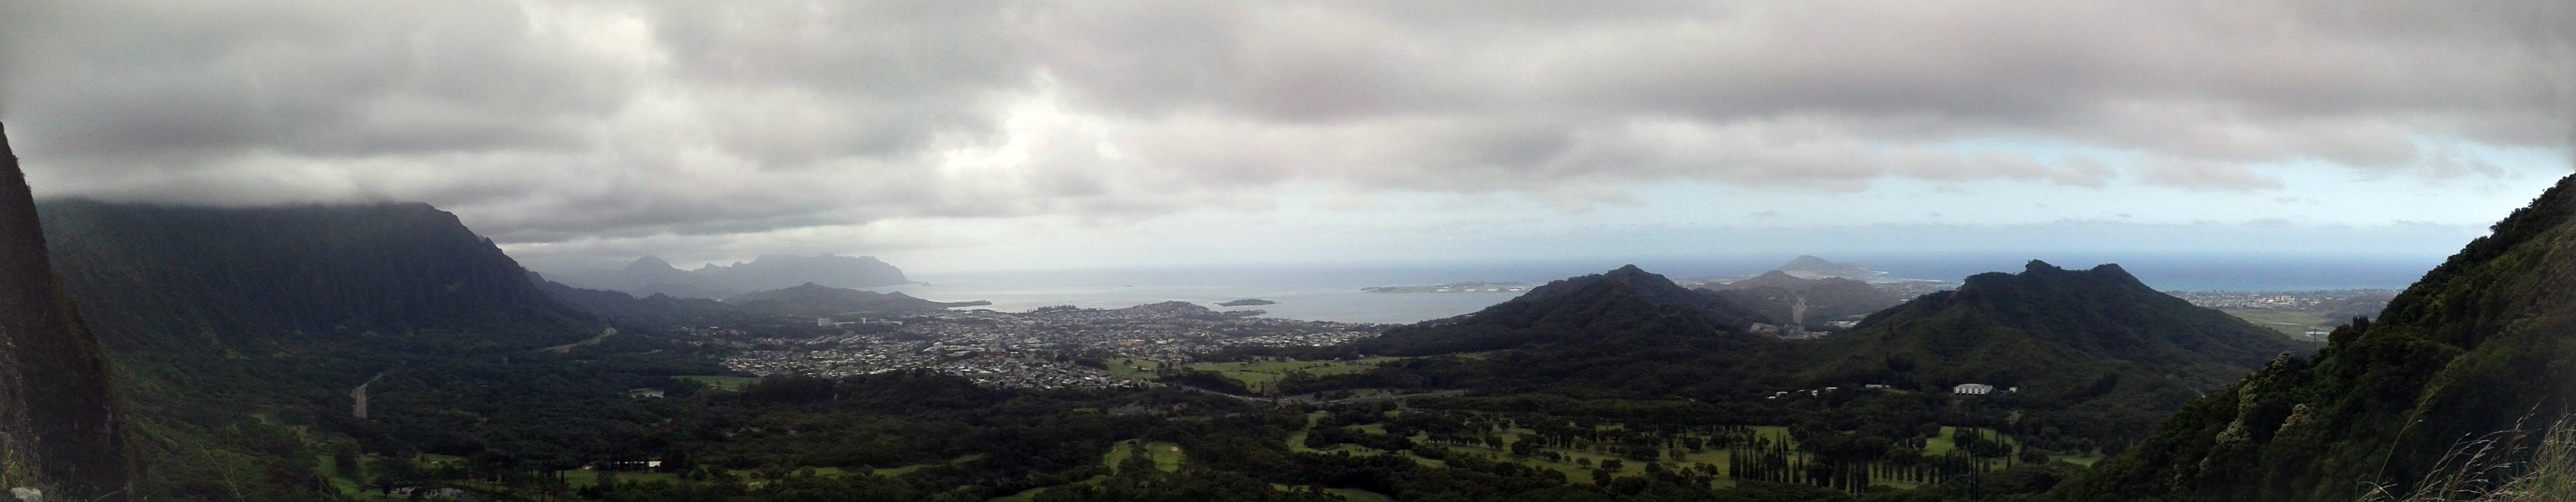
(2094, 357)
(1562, 308)
(2473, 348)
(810, 299)
(235, 326)
(1780, 296)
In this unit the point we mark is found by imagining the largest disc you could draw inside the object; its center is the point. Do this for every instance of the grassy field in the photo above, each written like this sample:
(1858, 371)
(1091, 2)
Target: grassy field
(1260, 374)
(1942, 445)
(721, 382)
(579, 479)
(2295, 323)
(1139, 368)
(348, 484)
(1578, 473)
(1167, 456)
(594, 340)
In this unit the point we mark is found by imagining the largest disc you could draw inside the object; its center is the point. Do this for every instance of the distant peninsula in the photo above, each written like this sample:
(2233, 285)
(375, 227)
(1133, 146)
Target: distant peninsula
(1463, 287)
(1811, 267)
(1247, 302)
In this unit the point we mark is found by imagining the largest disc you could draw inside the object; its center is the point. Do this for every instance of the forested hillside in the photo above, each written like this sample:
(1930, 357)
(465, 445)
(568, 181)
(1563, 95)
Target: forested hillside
(2093, 351)
(2083, 353)
(2479, 345)
(1778, 295)
(62, 429)
(239, 335)
(1621, 302)
(651, 310)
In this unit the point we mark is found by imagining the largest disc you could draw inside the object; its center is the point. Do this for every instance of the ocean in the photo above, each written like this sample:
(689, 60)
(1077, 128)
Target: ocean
(1332, 292)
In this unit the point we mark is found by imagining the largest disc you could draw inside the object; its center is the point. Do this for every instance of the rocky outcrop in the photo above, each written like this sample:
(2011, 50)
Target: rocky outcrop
(64, 434)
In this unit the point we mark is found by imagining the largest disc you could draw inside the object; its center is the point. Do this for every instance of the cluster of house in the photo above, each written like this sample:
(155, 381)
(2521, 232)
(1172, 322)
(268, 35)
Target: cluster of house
(1965, 389)
(1787, 331)
(415, 493)
(827, 322)
(1978, 389)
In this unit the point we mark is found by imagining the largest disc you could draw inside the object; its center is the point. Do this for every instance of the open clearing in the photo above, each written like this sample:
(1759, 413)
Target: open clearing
(1261, 374)
(734, 383)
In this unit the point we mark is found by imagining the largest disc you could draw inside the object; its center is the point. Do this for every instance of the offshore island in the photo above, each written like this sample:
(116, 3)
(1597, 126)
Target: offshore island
(1463, 287)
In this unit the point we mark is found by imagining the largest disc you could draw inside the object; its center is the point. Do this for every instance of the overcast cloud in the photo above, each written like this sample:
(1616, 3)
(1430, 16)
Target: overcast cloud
(599, 128)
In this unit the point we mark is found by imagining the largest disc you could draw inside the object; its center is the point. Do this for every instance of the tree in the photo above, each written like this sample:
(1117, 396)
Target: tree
(395, 472)
(344, 458)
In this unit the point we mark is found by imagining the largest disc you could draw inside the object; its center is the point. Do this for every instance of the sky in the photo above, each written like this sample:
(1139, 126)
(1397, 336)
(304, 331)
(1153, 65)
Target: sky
(1005, 135)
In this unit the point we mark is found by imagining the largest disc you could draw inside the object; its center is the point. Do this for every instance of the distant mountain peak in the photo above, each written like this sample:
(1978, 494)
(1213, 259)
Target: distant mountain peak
(1621, 302)
(1650, 286)
(649, 263)
(2040, 271)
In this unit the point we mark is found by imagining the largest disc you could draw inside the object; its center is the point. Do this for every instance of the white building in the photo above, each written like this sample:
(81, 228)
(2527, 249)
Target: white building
(1972, 389)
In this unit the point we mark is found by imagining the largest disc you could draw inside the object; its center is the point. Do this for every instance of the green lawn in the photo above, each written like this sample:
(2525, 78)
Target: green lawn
(2087, 459)
(1943, 445)
(579, 478)
(1297, 440)
(1260, 374)
(1167, 458)
(901, 470)
(1139, 368)
(348, 484)
(1579, 474)
(1166, 455)
(594, 340)
(721, 382)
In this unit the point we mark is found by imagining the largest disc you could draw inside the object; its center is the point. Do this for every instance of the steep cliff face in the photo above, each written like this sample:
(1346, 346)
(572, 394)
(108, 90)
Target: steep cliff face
(239, 332)
(65, 435)
(292, 274)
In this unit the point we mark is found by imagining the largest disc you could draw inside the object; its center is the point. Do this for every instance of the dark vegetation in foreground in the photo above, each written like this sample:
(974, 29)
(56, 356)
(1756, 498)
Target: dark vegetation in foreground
(2480, 344)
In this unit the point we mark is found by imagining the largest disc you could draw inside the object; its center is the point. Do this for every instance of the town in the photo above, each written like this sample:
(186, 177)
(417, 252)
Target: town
(2289, 300)
(1041, 348)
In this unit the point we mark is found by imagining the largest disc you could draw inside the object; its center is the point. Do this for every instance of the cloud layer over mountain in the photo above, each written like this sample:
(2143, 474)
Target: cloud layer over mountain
(548, 121)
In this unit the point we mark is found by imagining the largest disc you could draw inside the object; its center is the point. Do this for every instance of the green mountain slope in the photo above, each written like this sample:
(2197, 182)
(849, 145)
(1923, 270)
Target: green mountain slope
(2094, 352)
(60, 427)
(1777, 295)
(2006, 328)
(1622, 302)
(2479, 345)
(241, 334)
(653, 310)
(2095, 349)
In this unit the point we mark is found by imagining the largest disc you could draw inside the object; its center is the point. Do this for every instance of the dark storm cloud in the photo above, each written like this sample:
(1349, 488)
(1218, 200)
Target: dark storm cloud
(547, 121)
